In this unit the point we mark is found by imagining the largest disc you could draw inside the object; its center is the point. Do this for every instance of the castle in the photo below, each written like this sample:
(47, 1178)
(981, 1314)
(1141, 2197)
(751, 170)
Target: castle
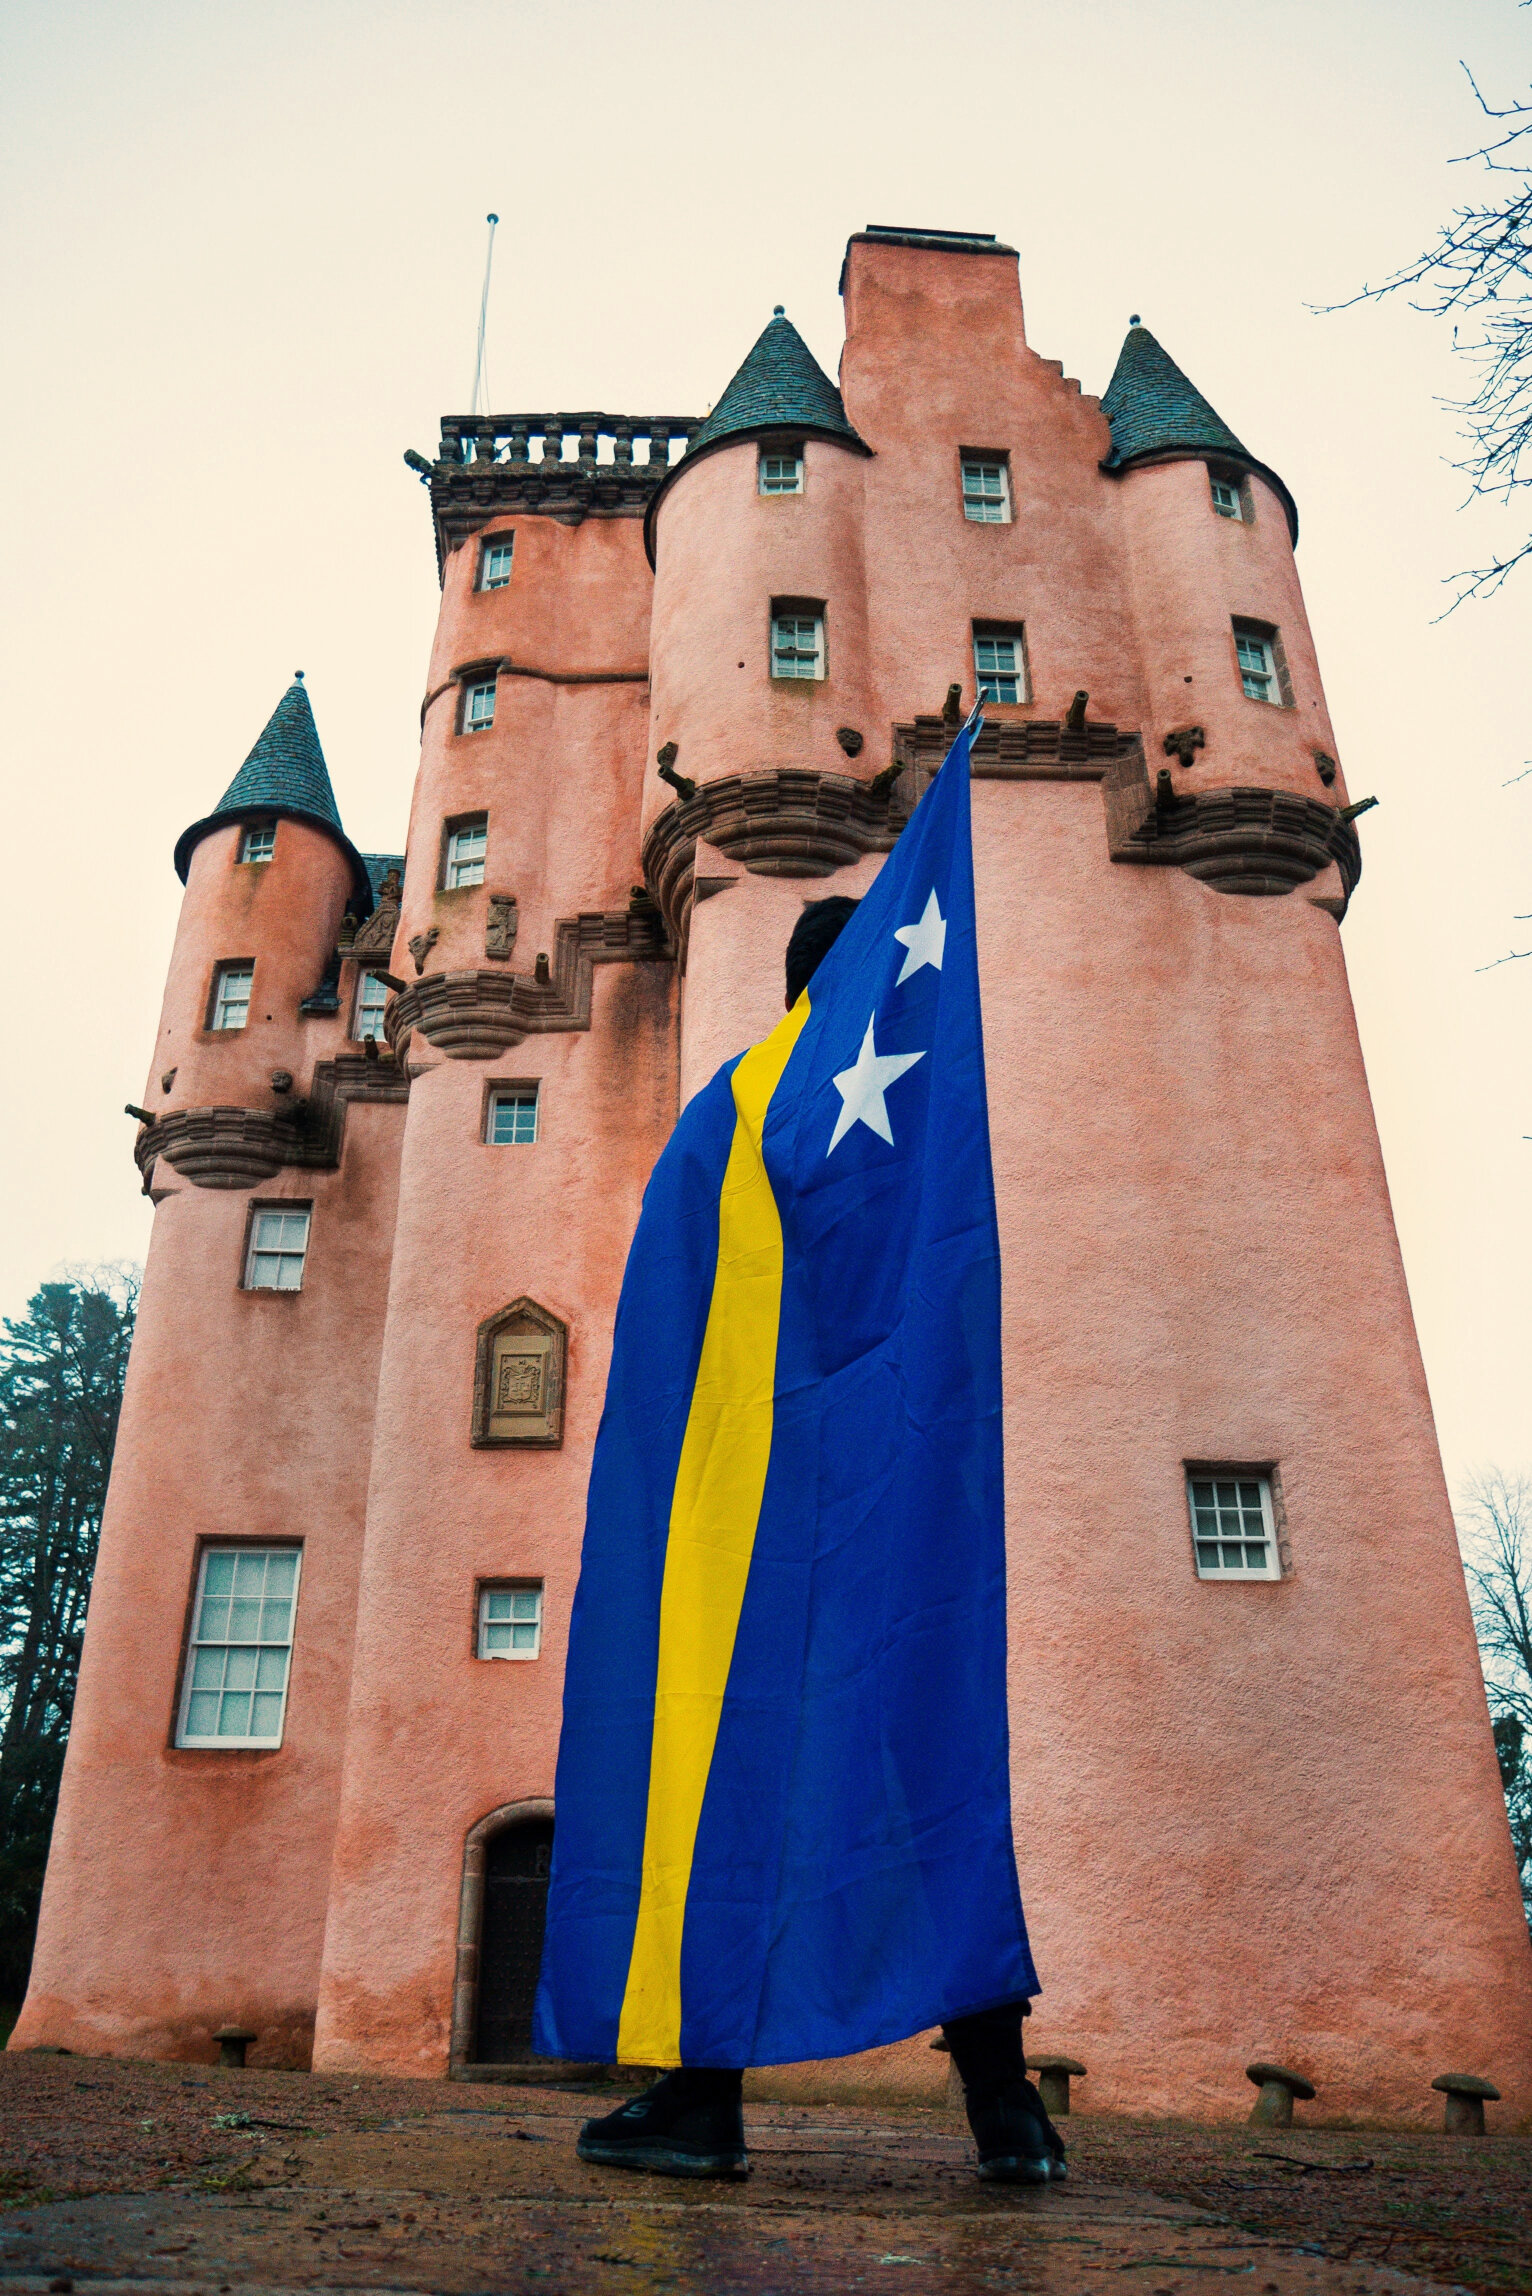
(401, 1110)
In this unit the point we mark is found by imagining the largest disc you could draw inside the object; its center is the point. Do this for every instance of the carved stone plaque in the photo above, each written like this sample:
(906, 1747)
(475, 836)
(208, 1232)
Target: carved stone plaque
(518, 1389)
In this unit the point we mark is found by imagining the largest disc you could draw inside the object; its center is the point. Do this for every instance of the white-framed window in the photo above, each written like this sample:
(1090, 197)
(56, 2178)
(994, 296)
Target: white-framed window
(495, 563)
(510, 1621)
(1234, 1532)
(479, 706)
(986, 491)
(1259, 670)
(511, 1118)
(782, 472)
(367, 1019)
(1227, 500)
(1000, 665)
(466, 847)
(231, 995)
(241, 1647)
(797, 643)
(279, 1243)
(259, 841)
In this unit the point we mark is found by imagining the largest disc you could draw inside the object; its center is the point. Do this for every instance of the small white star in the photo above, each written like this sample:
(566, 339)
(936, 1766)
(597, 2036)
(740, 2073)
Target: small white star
(862, 1088)
(925, 942)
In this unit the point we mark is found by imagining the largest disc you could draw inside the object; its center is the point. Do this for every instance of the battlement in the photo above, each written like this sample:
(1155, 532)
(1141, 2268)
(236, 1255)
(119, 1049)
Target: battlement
(485, 466)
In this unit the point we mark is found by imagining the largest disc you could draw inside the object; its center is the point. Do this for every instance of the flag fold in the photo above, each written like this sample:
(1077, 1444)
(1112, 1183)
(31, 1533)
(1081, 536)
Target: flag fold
(783, 1796)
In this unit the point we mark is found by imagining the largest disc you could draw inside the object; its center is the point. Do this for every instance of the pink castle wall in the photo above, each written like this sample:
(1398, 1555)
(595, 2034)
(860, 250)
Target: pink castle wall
(1252, 1818)
(187, 1888)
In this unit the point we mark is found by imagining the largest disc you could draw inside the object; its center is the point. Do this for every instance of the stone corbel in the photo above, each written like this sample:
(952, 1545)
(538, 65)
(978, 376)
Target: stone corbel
(1236, 840)
(789, 823)
(478, 1015)
(240, 1147)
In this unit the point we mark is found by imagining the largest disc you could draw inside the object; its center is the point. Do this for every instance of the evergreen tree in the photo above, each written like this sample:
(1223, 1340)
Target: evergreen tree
(62, 1366)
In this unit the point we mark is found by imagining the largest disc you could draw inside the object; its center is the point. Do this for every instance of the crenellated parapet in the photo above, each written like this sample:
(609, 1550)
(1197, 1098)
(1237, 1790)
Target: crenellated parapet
(485, 467)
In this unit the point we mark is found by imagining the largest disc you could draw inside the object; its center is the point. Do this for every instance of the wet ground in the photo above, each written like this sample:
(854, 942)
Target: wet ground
(188, 2179)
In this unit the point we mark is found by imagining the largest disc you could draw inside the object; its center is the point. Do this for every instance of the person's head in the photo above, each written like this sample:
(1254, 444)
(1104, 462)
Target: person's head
(813, 937)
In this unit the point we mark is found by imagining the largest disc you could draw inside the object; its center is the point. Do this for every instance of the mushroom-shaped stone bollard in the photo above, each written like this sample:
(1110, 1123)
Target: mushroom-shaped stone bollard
(233, 2041)
(1053, 2081)
(1273, 2108)
(1465, 2102)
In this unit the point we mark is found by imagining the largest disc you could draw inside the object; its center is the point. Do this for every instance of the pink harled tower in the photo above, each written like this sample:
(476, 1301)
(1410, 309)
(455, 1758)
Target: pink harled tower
(398, 1124)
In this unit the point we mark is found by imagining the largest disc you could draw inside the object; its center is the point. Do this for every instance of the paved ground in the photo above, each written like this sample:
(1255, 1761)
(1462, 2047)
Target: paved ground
(191, 2181)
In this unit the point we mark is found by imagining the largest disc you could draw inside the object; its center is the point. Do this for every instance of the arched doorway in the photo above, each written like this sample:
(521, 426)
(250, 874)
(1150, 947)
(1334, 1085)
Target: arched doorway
(516, 1865)
(504, 1907)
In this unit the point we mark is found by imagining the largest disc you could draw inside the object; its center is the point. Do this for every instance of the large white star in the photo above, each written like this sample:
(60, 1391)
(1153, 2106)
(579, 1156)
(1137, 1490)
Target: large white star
(862, 1088)
(924, 941)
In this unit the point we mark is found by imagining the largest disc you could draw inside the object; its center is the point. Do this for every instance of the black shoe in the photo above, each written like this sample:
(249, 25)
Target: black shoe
(1017, 2142)
(688, 2124)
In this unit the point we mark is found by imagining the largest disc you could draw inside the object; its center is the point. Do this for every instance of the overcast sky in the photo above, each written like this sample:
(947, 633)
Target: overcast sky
(241, 276)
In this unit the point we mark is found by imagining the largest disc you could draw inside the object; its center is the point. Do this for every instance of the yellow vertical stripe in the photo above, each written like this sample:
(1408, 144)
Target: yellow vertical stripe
(713, 1515)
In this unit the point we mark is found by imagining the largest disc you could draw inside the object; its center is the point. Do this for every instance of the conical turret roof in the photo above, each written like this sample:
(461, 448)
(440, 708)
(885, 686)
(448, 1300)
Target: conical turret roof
(286, 775)
(781, 386)
(1158, 414)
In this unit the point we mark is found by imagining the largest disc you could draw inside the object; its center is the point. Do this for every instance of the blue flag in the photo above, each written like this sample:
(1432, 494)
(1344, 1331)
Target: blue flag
(783, 1796)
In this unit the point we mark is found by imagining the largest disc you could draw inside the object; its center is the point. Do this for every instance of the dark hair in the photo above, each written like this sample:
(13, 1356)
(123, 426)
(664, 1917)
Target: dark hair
(813, 937)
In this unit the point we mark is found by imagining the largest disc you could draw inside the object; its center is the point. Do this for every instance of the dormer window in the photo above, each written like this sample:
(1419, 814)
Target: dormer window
(1231, 496)
(495, 562)
(371, 1002)
(782, 471)
(259, 841)
(986, 490)
(479, 705)
(466, 847)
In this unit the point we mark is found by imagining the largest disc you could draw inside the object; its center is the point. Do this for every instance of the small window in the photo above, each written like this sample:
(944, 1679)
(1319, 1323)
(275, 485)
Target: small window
(1000, 665)
(782, 473)
(241, 1647)
(465, 852)
(259, 841)
(1234, 1531)
(510, 1621)
(367, 1020)
(495, 562)
(279, 1242)
(479, 706)
(986, 491)
(231, 995)
(1262, 664)
(1226, 499)
(797, 643)
(512, 1118)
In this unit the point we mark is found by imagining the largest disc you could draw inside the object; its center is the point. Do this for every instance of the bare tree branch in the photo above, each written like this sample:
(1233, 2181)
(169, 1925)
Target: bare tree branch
(1496, 1533)
(1476, 272)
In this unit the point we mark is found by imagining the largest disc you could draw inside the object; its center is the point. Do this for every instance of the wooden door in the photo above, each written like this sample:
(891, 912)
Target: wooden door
(516, 1863)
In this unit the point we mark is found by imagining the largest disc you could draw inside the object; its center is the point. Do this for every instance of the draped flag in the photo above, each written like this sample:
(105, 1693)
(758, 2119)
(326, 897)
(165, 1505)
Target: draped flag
(783, 1797)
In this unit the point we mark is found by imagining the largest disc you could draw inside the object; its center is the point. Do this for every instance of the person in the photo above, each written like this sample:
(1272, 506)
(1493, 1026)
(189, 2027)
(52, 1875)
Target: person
(690, 2122)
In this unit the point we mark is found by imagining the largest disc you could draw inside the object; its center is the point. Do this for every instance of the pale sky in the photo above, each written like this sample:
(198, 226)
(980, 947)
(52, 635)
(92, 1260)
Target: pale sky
(241, 276)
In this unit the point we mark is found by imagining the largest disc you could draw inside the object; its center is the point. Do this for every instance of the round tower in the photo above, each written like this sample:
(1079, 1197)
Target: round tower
(269, 874)
(240, 1473)
(759, 630)
(1231, 678)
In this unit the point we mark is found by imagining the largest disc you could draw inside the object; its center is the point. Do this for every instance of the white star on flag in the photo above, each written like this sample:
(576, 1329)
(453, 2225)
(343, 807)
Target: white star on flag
(862, 1088)
(924, 941)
